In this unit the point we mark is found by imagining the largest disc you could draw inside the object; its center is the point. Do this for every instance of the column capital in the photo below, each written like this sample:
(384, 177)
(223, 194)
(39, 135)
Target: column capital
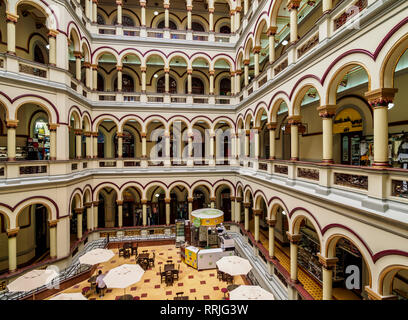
(53, 126)
(78, 132)
(88, 204)
(119, 134)
(327, 111)
(271, 222)
(79, 210)
(143, 201)
(232, 12)
(247, 205)
(189, 71)
(190, 199)
(11, 123)
(271, 31)
(257, 212)
(94, 66)
(293, 238)
(142, 3)
(95, 203)
(232, 73)
(53, 33)
(189, 8)
(272, 125)
(238, 9)
(246, 62)
(166, 5)
(232, 198)
(95, 1)
(119, 68)
(211, 72)
(211, 10)
(256, 49)
(143, 134)
(87, 133)
(119, 202)
(381, 97)
(11, 233)
(95, 134)
(327, 263)
(53, 223)
(238, 72)
(166, 70)
(11, 17)
(87, 64)
(77, 54)
(238, 199)
(213, 199)
(293, 4)
(294, 120)
(167, 200)
(143, 69)
(119, 2)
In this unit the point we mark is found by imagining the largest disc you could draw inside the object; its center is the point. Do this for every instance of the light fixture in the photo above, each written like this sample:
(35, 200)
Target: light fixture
(156, 13)
(283, 128)
(48, 47)
(284, 213)
(285, 42)
(390, 106)
(155, 75)
(157, 195)
(249, 78)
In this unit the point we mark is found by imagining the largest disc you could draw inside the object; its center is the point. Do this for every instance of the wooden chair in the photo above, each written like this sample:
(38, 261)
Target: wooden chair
(126, 253)
(169, 278)
(176, 273)
(121, 252)
(134, 249)
(220, 274)
(229, 279)
(151, 260)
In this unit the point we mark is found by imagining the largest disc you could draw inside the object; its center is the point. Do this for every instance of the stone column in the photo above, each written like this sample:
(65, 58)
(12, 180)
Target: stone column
(232, 75)
(167, 201)
(256, 142)
(212, 202)
(237, 18)
(294, 121)
(120, 82)
(119, 6)
(190, 207)
(293, 6)
(94, 11)
(327, 114)
(95, 145)
(379, 101)
(212, 72)
(167, 158)
(271, 36)
(53, 238)
(272, 135)
(144, 145)
(247, 205)
(246, 72)
(189, 14)
(271, 224)
(11, 32)
(95, 214)
(52, 40)
(232, 15)
(247, 146)
(189, 81)
(143, 70)
(78, 212)
(94, 68)
(238, 201)
(120, 144)
(245, 7)
(12, 249)
(166, 7)
(89, 215)
(212, 147)
(294, 240)
(120, 213)
(327, 5)
(78, 57)
(11, 139)
(144, 212)
(88, 74)
(78, 140)
(87, 9)
(256, 50)
(238, 80)
(53, 140)
(328, 264)
(257, 214)
(166, 80)
(88, 152)
(211, 19)
(143, 13)
(232, 198)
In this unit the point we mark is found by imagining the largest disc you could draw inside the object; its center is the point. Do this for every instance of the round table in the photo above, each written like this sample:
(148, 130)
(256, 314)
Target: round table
(126, 297)
(232, 287)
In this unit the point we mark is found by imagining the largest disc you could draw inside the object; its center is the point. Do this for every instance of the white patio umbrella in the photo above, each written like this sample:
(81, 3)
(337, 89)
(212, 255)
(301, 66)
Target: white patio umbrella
(123, 276)
(32, 280)
(69, 296)
(250, 293)
(96, 256)
(234, 265)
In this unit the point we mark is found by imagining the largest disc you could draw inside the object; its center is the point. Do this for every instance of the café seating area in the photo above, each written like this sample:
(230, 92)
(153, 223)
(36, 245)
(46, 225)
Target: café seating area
(166, 277)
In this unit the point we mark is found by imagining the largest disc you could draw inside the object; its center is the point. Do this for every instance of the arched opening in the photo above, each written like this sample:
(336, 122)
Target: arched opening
(223, 200)
(106, 65)
(132, 207)
(156, 206)
(225, 87)
(107, 148)
(161, 87)
(128, 144)
(172, 25)
(128, 85)
(225, 29)
(201, 142)
(156, 143)
(33, 135)
(107, 208)
(223, 142)
(179, 203)
(201, 197)
(197, 26)
(33, 238)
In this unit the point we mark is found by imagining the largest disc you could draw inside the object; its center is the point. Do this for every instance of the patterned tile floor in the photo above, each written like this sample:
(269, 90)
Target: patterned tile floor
(200, 285)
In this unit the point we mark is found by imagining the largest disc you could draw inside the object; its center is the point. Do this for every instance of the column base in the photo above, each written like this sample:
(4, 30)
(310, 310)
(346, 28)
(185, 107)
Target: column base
(11, 159)
(328, 161)
(381, 164)
(294, 159)
(53, 158)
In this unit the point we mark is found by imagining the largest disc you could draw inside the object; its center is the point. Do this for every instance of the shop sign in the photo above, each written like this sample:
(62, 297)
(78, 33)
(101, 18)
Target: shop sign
(348, 120)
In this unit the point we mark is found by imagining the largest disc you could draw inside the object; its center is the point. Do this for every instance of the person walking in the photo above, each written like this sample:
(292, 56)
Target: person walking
(100, 284)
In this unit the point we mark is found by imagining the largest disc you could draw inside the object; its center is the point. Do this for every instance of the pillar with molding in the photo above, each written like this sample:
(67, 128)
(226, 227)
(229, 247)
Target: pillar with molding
(143, 13)
(53, 140)
(143, 70)
(246, 72)
(12, 248)
(247, 205)
(257, 215)
(327, 114)
(53, 238)
(256, 50)
(94, 68)
(294, 122)
(238, 201)
(78, 57)
(120, 213)
(79, 212)
(232, 198)
(271, 37)
(294, 241)
(95, 144)
(11, 139)
(212, 202)
(328, 264)
(190, 207)
(119, 5)
(95, 214)
(144, 212)
(120, 81)
(293, 6)
(120, 144)
(272, 136)
(167, 202)
(52, 40)
(78, 142)
(11, 32)
(271, 234)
